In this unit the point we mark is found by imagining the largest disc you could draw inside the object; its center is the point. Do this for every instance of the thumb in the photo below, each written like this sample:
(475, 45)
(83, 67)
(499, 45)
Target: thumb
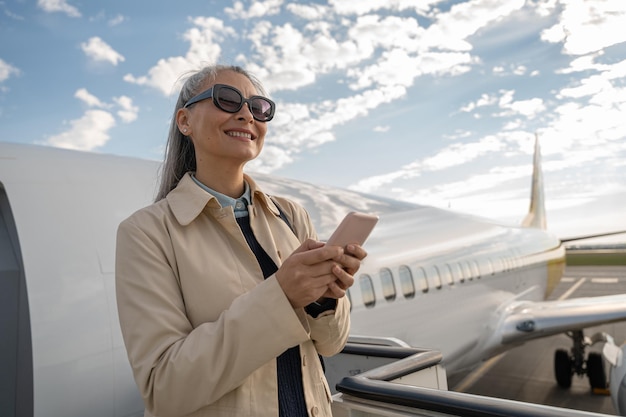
(308, 245)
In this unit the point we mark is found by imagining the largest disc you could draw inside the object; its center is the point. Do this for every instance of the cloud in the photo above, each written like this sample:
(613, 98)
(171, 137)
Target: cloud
(461, 153)
(451, 30)
(117, 20)
(366, 58)
(362, 7)
(98, 50)
(88, 98)
(530, 108)
(88, 133)
(7, 70)
(128, 112)
(51, 6)
(91, 131)
(204, 47)
(451, 156)
(273, 158)
(256, 9)
(585, 27)
(309, 12)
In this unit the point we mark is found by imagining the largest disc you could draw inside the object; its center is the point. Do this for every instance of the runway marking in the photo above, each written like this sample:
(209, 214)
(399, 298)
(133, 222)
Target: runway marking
(605, 280)
(469, 380)
(479, 372)
(574, 288)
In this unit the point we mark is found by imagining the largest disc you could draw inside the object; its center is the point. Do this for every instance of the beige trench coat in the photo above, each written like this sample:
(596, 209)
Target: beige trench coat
(202, 328)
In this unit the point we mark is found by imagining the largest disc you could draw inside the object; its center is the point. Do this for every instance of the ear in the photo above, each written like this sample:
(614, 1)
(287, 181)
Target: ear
(182, 121)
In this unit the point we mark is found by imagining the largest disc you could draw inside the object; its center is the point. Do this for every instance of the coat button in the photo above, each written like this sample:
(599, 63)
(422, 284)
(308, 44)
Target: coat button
(303, 360)
(315, 411)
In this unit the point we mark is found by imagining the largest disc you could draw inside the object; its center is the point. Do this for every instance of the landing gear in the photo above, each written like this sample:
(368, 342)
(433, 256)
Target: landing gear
(595, 371)
(566, 364)
(563, 368)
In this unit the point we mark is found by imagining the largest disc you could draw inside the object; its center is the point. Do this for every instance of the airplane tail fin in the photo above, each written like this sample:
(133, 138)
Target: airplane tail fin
(536, 216)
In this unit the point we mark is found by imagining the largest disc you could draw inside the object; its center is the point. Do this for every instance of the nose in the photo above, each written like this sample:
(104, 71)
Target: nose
(245, 113)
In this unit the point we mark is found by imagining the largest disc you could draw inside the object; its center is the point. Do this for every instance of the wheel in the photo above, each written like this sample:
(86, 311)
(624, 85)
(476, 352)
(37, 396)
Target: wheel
(595, 370)
(563, 368)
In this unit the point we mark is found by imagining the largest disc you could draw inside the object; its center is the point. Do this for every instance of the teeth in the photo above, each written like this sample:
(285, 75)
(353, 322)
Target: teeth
(240, 134)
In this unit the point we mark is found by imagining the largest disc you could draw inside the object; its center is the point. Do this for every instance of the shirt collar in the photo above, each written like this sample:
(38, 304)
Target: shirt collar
(188, 200)
(238, 204)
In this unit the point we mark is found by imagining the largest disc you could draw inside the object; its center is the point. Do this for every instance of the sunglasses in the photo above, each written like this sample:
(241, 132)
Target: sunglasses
(230, 100)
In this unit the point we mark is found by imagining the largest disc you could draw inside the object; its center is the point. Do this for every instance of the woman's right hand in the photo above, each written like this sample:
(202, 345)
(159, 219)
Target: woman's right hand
(306, 274)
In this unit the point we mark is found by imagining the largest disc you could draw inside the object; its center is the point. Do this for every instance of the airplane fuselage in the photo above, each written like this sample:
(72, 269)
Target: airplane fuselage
(444, 290)
(433, 278)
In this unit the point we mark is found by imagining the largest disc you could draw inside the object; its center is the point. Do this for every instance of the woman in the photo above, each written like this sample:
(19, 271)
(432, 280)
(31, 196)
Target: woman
(225, 297)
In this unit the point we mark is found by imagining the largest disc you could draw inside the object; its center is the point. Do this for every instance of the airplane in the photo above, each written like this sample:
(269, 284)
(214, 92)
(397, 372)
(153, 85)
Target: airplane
(468, 287)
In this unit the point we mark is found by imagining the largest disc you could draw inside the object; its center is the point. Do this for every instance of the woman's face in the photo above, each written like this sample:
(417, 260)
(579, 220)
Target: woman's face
(219, 137)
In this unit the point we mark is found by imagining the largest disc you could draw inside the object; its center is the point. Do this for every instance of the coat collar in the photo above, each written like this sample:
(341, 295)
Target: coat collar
(188, 199)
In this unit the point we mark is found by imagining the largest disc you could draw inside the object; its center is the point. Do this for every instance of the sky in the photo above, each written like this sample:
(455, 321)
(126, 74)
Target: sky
(432, 102)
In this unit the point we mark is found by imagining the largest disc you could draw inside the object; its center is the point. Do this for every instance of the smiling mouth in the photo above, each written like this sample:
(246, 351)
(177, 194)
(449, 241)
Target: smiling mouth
(240, 134)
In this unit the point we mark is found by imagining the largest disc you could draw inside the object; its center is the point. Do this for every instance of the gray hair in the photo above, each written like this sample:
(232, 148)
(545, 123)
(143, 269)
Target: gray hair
(180, 155)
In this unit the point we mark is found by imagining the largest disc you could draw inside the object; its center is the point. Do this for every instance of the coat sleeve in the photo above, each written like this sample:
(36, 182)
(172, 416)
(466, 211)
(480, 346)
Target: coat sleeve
(178, 368)
(329, 332)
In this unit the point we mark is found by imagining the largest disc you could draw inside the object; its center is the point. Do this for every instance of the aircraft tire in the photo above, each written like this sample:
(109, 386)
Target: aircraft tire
(595, 370)
(563, 368)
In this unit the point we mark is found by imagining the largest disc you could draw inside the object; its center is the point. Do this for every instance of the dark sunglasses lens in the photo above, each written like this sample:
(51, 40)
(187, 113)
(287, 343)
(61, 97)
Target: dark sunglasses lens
(229, 100)
(261, 108)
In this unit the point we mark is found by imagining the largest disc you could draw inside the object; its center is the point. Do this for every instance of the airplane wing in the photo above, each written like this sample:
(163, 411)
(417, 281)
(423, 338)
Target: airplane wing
(526, 320)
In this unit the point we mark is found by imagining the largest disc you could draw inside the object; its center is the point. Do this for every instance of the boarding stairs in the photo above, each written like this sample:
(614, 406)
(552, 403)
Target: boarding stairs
(385, 377)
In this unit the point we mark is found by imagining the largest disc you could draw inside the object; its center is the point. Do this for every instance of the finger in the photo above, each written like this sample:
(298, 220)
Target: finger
(320, 254)
(356, 251)
(349, 263)
(322, 270)
(336, 290)
(308, 245)
(344, 280)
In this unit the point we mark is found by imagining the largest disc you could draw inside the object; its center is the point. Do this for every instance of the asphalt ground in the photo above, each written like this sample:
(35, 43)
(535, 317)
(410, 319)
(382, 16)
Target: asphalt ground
(526, 373)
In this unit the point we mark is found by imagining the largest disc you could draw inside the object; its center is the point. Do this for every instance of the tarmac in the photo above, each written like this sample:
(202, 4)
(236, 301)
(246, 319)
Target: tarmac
(526, 373)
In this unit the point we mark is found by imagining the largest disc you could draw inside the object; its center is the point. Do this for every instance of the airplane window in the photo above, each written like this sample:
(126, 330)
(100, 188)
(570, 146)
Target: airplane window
(516, 260)
(433, 274)
(467, 271)
(406, 282)
(367, 290)
(445, 274)
(475, 269)
(457, 272)
(421, 278)
(497, 266)
(389, 288)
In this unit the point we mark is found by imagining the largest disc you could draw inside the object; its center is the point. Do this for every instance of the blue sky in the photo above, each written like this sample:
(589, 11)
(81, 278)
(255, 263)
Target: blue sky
(435, 104)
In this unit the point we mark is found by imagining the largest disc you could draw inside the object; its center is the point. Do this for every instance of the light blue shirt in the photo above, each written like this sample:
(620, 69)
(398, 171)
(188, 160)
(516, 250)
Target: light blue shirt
(239, 205)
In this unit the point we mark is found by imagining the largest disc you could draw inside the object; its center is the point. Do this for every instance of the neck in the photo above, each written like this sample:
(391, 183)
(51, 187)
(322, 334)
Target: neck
(225, 182)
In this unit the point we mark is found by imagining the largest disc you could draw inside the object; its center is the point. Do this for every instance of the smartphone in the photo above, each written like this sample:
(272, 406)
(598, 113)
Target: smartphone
(354, 228)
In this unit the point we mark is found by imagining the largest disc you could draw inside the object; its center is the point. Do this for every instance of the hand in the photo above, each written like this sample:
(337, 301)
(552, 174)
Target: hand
(307, 273)
(348, 265)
